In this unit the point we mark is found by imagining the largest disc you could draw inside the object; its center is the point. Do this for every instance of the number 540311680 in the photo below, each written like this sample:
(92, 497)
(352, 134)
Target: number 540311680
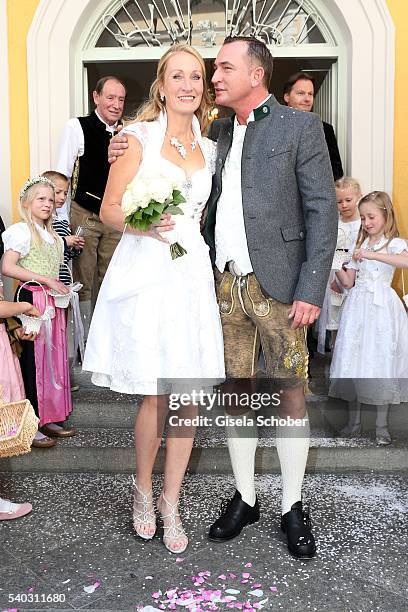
(36, 597)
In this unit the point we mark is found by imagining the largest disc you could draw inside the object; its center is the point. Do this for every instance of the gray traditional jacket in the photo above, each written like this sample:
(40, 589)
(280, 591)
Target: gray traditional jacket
(288, 198)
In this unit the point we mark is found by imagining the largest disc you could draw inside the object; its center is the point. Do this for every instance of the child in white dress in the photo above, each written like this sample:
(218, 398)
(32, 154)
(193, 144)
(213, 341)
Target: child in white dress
(370, 360)
(348, 194)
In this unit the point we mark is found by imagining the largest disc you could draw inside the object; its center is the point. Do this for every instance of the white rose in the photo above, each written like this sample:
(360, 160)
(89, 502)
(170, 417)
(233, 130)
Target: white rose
(148, 187)
(140, 194)
(128, 205)
(161, 188)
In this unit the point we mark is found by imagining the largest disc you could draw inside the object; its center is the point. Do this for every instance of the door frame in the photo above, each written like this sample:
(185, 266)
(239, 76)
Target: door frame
(62, 33)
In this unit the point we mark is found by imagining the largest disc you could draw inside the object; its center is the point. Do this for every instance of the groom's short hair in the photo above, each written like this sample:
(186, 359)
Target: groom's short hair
(259, 53)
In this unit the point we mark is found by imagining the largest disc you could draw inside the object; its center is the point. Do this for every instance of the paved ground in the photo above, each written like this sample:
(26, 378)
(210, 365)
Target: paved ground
(79, 538)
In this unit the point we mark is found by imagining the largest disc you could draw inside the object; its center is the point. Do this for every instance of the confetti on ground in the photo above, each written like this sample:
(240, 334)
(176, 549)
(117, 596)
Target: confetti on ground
(66, 581)
(92, 587)
(369, 550)
(148, 577)
(207, 597)
(179, 559)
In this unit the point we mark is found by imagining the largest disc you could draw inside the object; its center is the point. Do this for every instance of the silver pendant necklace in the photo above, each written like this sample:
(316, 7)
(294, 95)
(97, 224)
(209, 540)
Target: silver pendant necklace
(181, 149)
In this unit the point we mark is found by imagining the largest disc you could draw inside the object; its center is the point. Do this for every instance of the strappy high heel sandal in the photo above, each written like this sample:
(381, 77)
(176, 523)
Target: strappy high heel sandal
(173, 532)
(143, 512)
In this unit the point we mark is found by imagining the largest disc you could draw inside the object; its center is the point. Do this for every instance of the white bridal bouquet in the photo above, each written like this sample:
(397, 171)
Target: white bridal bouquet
(147, 198)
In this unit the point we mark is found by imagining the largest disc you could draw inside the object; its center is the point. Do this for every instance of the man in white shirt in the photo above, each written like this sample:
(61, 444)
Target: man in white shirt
(83, 158)
(272, 221)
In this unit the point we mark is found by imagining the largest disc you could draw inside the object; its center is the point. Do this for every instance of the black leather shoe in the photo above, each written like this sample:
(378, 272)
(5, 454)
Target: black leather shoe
(296, 525)
(235, 514)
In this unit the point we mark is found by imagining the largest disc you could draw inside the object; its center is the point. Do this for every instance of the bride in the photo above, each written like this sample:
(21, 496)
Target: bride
(156, 326)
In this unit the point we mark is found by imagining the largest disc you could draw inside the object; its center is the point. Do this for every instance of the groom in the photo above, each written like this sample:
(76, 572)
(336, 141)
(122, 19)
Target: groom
(272, 220)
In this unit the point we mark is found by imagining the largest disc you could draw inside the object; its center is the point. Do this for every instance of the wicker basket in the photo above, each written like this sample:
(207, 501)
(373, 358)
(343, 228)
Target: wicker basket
(62, 300)
(18, 426)
(32, 325)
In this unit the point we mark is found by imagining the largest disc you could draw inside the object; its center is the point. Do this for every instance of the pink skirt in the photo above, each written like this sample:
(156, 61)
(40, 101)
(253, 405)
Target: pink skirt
(53, 387)
(11, 381)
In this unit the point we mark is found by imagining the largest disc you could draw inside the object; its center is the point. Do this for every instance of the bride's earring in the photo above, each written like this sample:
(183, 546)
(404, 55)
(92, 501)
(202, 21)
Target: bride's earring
(162, 97)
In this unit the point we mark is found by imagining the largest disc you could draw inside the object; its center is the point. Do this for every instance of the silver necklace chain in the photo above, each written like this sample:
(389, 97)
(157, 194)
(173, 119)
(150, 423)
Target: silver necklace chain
(181, 149)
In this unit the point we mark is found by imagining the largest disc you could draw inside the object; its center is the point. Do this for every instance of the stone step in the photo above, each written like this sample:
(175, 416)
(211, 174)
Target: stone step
(104, 442)
(111, 450)
(100, 407)
(104, 408)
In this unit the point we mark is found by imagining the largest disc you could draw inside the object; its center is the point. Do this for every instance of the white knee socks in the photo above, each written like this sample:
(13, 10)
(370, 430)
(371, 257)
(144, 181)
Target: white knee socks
(292, 444)
(242, 442)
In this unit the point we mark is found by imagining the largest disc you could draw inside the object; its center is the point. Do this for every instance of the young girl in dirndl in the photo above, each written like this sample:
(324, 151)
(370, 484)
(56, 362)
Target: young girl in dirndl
(33, 253)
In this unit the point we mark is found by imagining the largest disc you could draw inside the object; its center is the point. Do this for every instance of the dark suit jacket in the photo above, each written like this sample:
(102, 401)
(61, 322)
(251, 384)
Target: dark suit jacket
(334, 152)
(288, 198)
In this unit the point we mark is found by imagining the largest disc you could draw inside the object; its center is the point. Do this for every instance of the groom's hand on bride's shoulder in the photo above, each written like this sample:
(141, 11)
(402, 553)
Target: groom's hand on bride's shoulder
(117, 147)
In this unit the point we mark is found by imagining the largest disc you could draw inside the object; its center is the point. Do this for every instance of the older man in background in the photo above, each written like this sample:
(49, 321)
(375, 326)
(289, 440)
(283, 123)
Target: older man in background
(83, 158)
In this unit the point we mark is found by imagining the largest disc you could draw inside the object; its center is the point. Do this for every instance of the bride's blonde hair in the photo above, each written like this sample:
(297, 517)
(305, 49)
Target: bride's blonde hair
(151, 109)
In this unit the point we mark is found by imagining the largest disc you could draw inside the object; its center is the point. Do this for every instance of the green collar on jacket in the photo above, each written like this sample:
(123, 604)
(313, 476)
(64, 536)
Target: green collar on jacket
(262, 111)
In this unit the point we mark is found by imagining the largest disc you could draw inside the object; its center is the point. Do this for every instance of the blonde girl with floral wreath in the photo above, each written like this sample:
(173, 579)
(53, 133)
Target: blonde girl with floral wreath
(370, 360)
(348, 194)
(33, 253)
